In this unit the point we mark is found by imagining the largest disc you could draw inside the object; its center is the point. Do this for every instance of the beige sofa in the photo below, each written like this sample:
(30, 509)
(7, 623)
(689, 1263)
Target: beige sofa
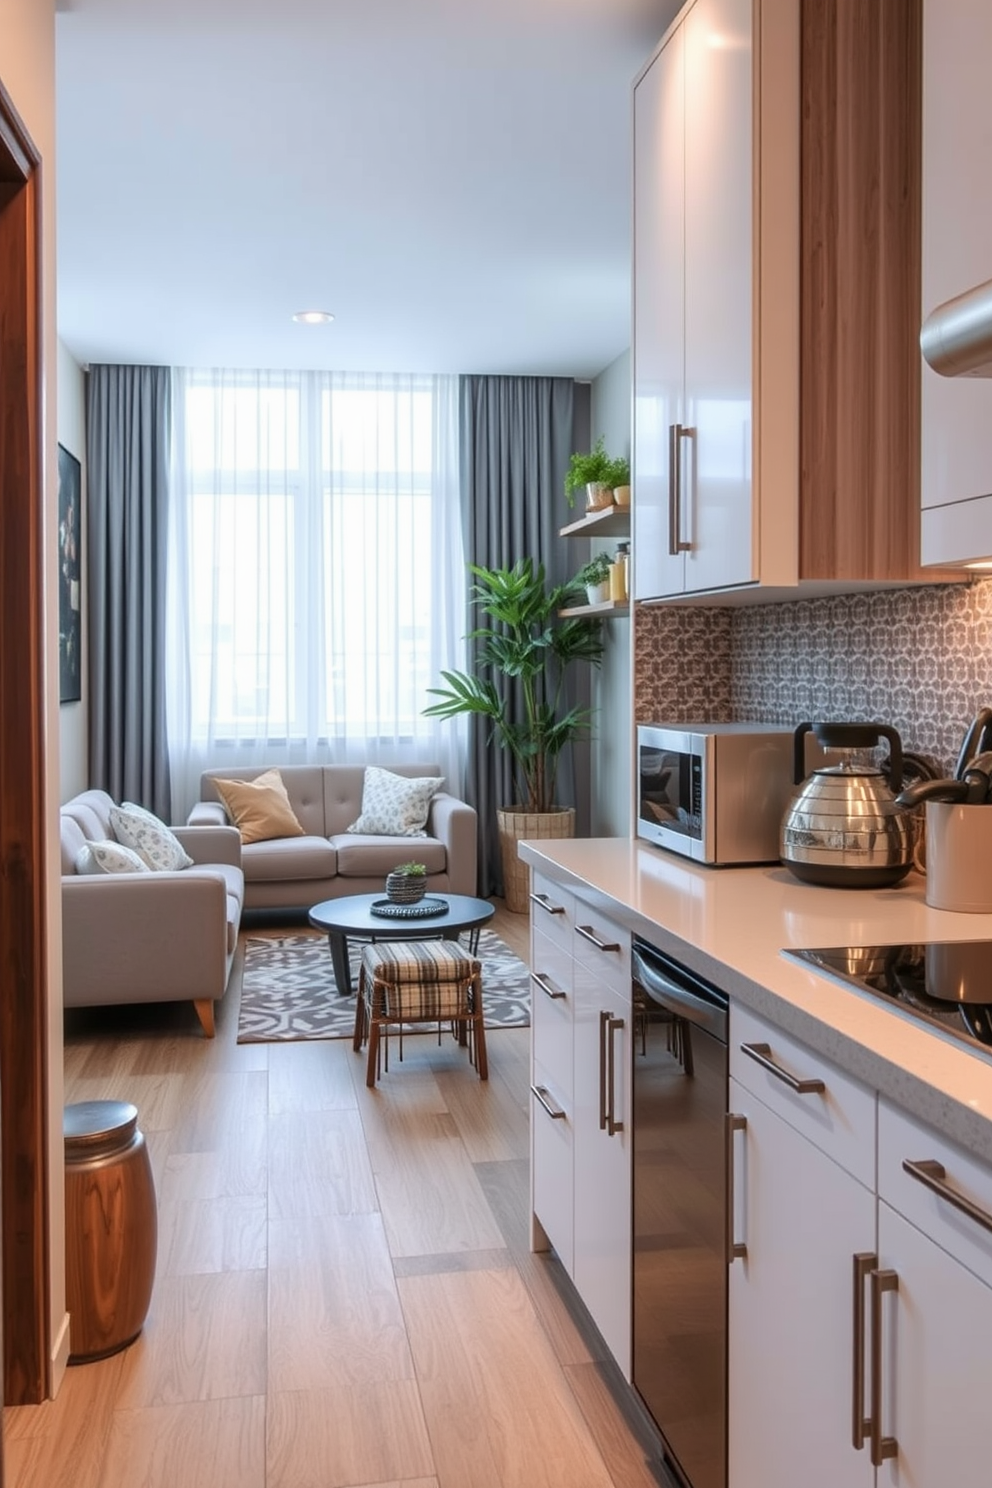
(148, 937)
(329, 861)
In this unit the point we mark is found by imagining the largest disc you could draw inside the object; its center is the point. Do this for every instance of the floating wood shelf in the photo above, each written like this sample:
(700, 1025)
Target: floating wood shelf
(608, 607)
(612, 521)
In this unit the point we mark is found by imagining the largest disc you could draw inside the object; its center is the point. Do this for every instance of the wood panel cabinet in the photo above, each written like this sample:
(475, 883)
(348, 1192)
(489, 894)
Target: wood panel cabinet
(581, 1116)
(957, 255)
(776, 285)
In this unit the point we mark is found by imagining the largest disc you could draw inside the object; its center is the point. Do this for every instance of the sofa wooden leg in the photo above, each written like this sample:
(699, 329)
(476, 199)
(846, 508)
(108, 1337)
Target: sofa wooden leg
(205, 1012)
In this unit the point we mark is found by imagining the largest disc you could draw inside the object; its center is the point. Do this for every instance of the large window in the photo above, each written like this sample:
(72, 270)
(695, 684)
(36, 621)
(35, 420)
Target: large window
(316, 578)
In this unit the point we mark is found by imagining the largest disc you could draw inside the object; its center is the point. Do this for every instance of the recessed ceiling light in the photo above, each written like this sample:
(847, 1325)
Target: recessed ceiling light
(313, 317)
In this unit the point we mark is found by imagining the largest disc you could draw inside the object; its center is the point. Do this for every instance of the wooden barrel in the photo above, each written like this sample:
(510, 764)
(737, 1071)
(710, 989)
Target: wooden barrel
(111, 1222)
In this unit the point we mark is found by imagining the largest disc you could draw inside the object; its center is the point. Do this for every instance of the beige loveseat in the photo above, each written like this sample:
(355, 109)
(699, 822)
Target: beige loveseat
(329, 861)
(148, 937)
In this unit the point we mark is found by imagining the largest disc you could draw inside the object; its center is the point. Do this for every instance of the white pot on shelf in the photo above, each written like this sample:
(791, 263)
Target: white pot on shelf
(621, 496)
(598, 593)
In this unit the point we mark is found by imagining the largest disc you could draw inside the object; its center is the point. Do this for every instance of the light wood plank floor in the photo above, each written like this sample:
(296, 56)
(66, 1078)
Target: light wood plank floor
(344, 1294)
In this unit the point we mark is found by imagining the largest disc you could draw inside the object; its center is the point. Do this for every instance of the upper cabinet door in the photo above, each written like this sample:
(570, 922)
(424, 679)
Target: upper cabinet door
(719, 297)
(659, 186)
(957, 255)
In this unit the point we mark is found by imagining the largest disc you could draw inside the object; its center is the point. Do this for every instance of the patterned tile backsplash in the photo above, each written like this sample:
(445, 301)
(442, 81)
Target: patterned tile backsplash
(919, 659)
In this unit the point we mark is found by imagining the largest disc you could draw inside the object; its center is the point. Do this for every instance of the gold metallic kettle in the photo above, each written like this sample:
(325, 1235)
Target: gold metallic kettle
(843, 828)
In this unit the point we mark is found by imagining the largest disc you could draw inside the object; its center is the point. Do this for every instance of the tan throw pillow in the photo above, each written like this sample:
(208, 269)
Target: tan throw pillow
(259, 808)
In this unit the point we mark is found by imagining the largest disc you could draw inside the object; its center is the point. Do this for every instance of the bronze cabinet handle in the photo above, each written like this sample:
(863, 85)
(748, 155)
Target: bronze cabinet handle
(864, 1264)
(553, 1109)
(762, 1054)
(736, 1250)
(604, 1018)
(588, 933)
(546, 985)
(882, 1447)
(610, 1027)
(547, 904)
(933, 1175)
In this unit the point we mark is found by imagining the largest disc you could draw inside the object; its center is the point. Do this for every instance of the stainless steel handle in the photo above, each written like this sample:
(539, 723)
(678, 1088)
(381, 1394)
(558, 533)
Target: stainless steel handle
(864, 1264)
(882, 1447)
(554, 1111)
(588, 933)
(604, 1018)
(933, 1175)
(547, 904)
(674, 494)
(762, 1054)
(736, 1250)
(611, 1025)
(547, 987)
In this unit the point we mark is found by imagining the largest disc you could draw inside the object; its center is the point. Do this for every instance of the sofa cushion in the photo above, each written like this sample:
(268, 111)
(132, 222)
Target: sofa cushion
(109, 857)
(149, 837)
(395, 805)
(259, 808)
(289, 858)
(369, 857)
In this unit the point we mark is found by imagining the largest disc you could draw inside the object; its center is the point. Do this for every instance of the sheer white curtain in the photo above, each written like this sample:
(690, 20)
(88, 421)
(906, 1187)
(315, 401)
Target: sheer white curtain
(316, 578)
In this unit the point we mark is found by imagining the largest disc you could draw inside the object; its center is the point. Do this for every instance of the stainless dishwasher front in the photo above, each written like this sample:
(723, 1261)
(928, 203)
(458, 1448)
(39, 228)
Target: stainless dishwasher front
(679, 1212)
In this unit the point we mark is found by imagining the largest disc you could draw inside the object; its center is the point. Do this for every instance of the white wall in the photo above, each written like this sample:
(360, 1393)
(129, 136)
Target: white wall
(74, 717)
(27, 71)
(611, 747)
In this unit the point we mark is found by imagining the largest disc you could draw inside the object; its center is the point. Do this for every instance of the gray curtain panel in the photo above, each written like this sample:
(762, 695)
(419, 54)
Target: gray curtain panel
(516, 437)
(128, 413)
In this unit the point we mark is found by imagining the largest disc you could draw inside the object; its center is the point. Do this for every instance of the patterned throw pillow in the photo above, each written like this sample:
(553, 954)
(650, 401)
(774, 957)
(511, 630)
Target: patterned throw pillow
(395, 805)
(260, 808)
(150, 838)
(109, 857)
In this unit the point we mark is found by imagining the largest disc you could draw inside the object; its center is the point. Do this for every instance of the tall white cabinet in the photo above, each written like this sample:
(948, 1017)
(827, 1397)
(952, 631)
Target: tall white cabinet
(957, 255)
(705, 237)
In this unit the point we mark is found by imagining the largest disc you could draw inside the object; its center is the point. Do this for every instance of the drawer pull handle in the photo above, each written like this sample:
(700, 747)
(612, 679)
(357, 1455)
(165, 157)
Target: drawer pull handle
(864, 1264)
(554, 1111)
(736, 1249)
(762, 1054)
(933, 1176)
(882, 1447)
(547, 904)
(546, 986)
(588, 933)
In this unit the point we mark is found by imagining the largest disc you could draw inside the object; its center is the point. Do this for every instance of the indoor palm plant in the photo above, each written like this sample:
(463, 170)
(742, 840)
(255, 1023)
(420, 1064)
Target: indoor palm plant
(525, 639)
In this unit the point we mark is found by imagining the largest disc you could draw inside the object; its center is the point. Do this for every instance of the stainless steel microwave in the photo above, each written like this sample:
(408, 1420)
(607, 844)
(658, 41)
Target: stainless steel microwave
(715, 792)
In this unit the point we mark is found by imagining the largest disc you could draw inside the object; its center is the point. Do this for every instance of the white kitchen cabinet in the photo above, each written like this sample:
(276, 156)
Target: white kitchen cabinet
(935, 1339)
(957, 255)
(697, 306)
(804, 1207)
(602, 1089)
(581, 1099)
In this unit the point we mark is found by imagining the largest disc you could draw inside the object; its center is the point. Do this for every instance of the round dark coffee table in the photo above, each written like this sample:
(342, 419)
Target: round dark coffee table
(351, 918)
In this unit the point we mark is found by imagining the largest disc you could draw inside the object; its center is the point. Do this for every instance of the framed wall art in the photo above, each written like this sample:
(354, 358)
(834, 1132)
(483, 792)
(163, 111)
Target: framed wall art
(70, 615)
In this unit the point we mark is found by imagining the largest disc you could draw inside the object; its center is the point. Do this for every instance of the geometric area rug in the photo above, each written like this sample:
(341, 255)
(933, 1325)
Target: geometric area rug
(288, 989)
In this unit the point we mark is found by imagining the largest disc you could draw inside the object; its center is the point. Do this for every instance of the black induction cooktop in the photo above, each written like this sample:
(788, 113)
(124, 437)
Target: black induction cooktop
(943, 982)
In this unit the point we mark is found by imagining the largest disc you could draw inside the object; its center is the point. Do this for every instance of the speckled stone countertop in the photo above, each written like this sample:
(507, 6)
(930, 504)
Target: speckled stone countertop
(731, 925)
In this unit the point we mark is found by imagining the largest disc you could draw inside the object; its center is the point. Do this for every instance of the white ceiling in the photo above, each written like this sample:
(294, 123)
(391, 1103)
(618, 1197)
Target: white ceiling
(451, 178)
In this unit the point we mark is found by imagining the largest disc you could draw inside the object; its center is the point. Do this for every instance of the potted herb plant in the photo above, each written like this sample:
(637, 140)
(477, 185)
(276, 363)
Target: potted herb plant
(595, 575)
(618, 478)
(592, 471)
(523, 638)
(407, 883)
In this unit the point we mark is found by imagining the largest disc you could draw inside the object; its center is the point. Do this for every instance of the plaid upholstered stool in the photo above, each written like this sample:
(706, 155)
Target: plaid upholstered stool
(419, 981)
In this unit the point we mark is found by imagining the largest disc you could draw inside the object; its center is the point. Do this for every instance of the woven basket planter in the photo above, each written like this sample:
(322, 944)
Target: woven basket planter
(515, 824)
(405, 888)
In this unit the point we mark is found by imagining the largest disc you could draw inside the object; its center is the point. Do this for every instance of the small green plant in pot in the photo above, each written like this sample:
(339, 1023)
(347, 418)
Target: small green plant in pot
(407, 883)
(594, 575)
(592, 471)
(618, 479)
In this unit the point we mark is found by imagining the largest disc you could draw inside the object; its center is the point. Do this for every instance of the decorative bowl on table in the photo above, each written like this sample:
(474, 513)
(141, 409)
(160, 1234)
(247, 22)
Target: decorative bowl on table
(406, 884)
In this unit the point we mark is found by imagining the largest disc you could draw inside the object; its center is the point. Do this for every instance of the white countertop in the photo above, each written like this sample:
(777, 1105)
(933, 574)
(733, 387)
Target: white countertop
(730, 924)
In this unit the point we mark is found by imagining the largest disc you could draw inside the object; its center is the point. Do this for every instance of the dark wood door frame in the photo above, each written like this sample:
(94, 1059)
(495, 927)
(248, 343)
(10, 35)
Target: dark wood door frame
(24, 1165)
